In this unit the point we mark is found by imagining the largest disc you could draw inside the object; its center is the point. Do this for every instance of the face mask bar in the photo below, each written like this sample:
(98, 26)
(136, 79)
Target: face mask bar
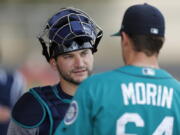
(66, 26)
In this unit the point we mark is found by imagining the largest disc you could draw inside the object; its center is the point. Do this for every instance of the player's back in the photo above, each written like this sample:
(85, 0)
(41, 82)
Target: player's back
(141, 101)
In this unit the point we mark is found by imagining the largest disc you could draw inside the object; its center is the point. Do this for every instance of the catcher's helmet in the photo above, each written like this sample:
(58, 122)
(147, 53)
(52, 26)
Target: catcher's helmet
(69, 30)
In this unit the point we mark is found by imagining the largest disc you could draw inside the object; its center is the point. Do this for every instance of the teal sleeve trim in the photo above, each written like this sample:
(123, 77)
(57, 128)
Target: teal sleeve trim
(35, 126)
(57, 95)
(47, 108)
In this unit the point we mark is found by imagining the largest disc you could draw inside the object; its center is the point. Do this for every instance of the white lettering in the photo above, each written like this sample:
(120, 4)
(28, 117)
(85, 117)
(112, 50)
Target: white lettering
(159, 95)
(147, 94)
(140, 93)
(167, 97)
(128, 93)
(151, 93)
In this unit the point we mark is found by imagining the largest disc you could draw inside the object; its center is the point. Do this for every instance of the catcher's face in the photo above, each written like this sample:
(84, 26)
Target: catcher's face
(75, 66)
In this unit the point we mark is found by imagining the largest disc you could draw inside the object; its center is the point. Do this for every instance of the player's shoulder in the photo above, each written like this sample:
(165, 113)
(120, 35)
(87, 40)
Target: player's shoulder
(5, 75)
(105, 76)
(12, 77)
(28, 112)
(100, 80)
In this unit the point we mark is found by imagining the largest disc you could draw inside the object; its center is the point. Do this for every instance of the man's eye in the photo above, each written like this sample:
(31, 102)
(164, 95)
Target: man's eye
(68, 56)
(84, 52)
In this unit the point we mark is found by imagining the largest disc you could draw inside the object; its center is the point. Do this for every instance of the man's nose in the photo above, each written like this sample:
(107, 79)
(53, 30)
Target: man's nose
(79, 61)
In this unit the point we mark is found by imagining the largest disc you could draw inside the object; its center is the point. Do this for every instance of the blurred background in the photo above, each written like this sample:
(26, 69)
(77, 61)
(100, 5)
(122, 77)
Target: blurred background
(22, 20)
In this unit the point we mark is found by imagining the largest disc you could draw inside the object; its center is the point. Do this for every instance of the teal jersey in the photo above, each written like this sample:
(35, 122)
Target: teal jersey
(126, 101)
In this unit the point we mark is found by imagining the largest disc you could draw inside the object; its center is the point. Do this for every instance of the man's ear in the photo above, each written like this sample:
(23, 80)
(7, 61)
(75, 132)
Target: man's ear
(53, 64)
(127, 42)
(125, 38)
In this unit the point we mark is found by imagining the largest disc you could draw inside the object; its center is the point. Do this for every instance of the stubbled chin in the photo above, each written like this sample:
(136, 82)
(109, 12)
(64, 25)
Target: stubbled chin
(80, 77)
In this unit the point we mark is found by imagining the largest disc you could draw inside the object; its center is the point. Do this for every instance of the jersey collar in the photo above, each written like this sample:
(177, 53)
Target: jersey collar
(145, 71)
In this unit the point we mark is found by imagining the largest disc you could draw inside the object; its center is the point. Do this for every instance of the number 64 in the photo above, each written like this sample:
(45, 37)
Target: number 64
(165, 126)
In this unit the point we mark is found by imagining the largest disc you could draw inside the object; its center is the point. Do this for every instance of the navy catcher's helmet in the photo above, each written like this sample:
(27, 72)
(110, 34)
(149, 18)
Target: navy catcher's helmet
(69, 30)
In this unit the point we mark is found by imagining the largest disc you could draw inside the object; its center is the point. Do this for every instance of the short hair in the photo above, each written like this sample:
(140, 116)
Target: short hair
(148, 44)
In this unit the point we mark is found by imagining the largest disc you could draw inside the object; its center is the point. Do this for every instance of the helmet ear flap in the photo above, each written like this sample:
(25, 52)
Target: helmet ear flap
(99, 36)
(45, 50)
(51, 49)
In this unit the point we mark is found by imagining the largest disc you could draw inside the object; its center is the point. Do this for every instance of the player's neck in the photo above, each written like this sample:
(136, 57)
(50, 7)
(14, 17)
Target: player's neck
(68, 88)
(141, 60)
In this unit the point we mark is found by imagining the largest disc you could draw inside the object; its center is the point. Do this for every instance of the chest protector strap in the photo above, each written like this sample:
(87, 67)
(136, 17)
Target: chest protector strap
(54, 106)
(39, 106)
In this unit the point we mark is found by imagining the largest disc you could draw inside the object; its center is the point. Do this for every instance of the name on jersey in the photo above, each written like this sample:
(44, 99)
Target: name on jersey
(147, 94)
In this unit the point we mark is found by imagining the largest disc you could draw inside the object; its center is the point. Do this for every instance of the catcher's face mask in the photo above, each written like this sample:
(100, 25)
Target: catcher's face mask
(69, 30)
